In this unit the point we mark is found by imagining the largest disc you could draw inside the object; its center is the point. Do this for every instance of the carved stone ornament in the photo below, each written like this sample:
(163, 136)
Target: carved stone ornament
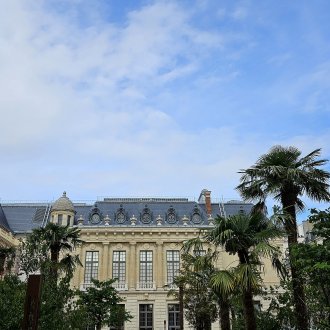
(107, 220)
(210, 220)
(185, 220)
(159, 220)
(133, 220)
(80, 220)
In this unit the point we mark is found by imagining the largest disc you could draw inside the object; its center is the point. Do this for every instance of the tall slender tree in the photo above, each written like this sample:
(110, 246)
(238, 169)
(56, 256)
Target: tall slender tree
(283, 174)
(246, 236)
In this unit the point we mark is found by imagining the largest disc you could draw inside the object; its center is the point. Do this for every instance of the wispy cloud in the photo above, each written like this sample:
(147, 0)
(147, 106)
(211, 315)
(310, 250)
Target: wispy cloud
(160, 98)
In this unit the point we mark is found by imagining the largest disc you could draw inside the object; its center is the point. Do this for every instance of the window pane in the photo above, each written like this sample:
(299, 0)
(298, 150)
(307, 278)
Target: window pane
(91, 266)
(146, 317)
(146, 266)
(173, 317)
(119, 265)
(173, 265)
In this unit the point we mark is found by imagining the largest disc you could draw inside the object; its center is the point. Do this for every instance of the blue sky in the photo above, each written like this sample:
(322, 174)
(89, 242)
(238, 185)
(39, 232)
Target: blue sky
(156, 98)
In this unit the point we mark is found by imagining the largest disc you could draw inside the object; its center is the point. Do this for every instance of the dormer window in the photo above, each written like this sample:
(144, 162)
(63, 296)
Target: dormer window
(146, 216)
(120, 215)
(171, 215)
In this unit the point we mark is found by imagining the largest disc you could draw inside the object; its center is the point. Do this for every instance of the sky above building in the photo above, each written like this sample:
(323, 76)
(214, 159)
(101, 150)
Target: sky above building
(156, 98)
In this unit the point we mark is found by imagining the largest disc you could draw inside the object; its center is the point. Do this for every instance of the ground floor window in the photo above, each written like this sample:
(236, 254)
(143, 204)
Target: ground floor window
(173, 317)
(146, 317)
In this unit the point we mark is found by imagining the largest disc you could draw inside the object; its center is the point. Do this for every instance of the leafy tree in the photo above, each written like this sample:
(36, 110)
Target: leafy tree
(12, 297)
(101, 304)
(218, 281)
(246, 236)
(321, 224)
(45, 251)
(313, 263)
(7, 257)
(285, 175)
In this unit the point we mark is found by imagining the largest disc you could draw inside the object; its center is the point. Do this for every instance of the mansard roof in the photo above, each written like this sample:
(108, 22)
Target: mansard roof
(3, 220)
(121, 212)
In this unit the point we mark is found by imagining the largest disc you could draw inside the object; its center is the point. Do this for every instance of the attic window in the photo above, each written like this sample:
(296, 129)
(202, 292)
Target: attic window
(60, 219)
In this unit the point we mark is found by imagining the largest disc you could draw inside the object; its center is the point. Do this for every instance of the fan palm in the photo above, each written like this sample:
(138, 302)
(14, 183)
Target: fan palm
(285, 175)
(246, 236)
(57, 239)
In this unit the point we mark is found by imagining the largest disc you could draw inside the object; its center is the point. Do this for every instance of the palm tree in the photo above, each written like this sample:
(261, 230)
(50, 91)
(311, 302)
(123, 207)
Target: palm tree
(56, 239)
(285, 175)
(246, 236)
(223, 284)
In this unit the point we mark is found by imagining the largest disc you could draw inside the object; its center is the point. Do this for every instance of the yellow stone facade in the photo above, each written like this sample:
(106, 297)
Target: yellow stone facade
(108, 237)
(158, 240)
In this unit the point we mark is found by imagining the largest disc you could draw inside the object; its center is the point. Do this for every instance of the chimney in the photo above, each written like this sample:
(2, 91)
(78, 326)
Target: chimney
(207, 194)
(205, 198)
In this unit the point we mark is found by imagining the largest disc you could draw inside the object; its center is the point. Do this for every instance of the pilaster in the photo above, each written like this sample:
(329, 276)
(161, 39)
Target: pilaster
(105, 261)
(132, 266)
(159, 265)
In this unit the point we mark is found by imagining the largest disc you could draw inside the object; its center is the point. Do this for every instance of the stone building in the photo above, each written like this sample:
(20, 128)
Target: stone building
(136, 240)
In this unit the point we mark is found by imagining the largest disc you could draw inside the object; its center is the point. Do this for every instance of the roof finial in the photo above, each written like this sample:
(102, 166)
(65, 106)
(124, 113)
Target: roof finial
(64, 193)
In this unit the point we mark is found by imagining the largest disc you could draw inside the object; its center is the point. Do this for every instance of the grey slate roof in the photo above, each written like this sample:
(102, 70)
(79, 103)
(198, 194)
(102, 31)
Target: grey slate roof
(3, 220)
(20, 217)
(24, 218)
(136, 209)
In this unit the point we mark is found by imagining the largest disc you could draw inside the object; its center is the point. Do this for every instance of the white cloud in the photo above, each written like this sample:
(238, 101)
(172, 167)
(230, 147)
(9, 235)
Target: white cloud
(81, 105)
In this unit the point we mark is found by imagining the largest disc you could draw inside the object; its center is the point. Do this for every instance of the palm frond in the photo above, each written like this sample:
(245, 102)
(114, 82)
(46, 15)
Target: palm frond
(224, 282)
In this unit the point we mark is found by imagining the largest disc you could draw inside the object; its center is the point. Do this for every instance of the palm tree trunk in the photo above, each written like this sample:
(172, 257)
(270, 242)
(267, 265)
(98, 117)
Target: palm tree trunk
(248, 306)
(301, 313)
(224, 314)
(249, 312)
(54, 257)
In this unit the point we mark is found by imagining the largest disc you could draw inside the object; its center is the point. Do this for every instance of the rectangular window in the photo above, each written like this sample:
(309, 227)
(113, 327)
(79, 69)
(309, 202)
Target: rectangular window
(91, 266)
(119, 266)
(146, 317)
(146, 267)
(173, 265)
(173, 317)
(60, 219)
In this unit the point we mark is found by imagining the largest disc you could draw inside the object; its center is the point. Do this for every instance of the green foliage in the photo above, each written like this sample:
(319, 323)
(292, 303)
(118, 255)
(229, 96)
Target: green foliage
(313, 262)
(48, 244)
(7, 257)
(12, 297)
(44, 251)
(101, 304)
(321, 224)
(286, 176)
(200, 308)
